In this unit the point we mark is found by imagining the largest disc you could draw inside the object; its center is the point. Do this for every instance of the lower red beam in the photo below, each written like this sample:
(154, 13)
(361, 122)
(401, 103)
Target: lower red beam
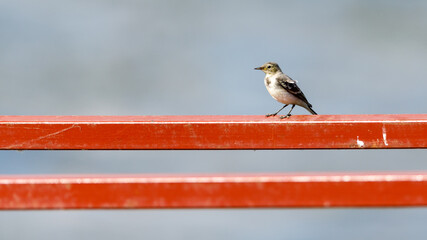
(213, 191)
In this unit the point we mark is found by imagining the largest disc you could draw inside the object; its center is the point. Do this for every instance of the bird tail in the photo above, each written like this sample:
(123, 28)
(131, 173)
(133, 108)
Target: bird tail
(311, 110)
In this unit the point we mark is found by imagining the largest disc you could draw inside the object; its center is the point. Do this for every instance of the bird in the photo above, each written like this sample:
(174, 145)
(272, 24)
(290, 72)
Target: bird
(283, 89)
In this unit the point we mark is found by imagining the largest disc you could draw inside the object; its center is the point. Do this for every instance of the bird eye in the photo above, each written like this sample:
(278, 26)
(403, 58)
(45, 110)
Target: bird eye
(269, 66)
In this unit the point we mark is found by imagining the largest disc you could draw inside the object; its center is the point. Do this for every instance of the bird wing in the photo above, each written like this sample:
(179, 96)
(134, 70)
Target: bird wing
(291, 86)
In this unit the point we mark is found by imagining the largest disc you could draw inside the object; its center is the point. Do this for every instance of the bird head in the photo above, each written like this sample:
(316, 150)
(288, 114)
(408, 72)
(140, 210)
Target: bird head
(269, 68)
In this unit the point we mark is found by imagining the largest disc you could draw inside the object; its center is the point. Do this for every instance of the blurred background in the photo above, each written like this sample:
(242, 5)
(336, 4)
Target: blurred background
(135, 57)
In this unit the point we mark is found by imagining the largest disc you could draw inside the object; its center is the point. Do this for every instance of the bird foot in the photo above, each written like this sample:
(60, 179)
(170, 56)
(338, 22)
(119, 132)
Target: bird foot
(271, 115)
(286, 116)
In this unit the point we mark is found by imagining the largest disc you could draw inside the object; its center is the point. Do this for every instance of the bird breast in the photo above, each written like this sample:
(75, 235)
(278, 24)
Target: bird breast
(279, 93)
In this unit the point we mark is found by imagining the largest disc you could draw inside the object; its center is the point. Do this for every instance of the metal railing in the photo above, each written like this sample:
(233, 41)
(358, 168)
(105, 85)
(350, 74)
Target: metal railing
(214, 190)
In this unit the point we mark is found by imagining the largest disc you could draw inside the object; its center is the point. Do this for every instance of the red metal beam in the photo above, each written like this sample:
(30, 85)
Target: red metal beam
(219, 191)
(213, 132)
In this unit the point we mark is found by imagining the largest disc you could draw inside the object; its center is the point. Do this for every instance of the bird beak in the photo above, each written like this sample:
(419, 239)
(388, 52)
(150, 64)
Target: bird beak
(259, 68)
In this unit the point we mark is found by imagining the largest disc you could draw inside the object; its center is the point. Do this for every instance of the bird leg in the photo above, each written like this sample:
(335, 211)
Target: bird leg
(274, 114)
(289, 113)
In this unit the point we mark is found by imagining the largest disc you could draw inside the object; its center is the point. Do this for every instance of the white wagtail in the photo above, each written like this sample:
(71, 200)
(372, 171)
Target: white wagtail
(283, 88)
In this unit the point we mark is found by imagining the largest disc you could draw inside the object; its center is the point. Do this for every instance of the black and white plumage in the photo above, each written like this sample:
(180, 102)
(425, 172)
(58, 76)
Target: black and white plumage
(283, 88)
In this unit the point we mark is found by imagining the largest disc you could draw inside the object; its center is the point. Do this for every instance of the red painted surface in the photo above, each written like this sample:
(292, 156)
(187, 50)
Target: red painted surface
(219, 191)
(213, 132)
